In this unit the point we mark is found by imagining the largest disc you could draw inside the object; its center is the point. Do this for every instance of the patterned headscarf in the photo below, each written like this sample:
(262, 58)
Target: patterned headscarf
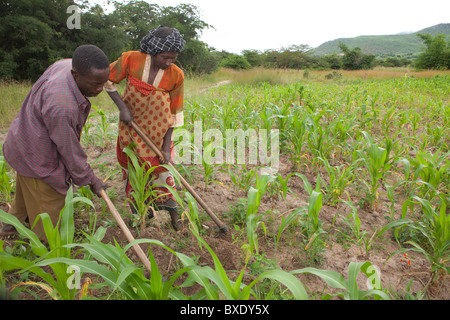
(162, 39)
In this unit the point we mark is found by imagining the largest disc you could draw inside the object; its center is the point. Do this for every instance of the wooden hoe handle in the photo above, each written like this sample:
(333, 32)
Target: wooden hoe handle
(141, 255)
(222, 226)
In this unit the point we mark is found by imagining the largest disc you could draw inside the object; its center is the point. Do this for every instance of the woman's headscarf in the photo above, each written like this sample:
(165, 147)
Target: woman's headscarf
(162, 39)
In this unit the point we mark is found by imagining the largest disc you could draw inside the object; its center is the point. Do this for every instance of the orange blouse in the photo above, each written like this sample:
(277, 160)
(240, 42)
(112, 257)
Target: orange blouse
(137, 65)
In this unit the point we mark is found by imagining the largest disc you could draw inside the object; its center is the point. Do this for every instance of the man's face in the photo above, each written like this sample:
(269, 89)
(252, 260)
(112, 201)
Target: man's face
(164, 60)
(91, 84)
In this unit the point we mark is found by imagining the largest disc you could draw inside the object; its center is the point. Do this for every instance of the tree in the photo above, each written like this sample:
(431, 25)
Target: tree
(135, 19)
(355, 59)
(235, 61)
(197, 58)
(333, 61)
(437, 53)
(253, 57)
(295, 57)
(30, 33)
(35, 33)
(184, 17)
(101, 29)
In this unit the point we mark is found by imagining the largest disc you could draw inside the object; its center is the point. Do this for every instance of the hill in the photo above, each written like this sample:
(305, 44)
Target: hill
(404, 44)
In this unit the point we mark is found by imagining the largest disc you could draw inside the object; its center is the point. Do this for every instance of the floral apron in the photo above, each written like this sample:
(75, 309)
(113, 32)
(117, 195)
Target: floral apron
(150, 107)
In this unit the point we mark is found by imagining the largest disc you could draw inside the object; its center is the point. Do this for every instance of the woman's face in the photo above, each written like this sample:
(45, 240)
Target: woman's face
(164, 60)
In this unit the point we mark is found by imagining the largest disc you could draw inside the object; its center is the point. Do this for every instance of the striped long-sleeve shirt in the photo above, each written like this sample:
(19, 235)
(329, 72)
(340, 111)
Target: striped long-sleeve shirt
(43, 141)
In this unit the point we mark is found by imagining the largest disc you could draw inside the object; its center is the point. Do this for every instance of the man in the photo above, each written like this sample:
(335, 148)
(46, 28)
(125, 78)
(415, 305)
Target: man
(153, 98)
(43, 141)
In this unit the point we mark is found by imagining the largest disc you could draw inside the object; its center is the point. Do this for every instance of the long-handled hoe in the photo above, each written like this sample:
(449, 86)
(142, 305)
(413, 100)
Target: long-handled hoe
(141, 255)
(222, 226)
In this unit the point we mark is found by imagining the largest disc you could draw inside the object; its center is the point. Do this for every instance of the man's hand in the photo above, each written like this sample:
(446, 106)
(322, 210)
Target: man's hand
(96, 186)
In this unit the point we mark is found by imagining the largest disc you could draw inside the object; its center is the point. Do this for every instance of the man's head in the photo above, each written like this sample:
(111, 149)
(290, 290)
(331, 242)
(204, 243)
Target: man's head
(90, 69)
(163, 44)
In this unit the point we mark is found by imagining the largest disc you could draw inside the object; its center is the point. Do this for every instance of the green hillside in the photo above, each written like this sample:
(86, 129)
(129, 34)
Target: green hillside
(386, 45)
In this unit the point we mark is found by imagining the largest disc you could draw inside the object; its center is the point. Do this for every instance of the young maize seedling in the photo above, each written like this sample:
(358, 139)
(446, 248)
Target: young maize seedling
(59, 238)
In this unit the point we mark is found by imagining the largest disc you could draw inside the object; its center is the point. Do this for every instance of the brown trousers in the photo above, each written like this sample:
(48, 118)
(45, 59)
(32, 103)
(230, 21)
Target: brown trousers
(33, 197)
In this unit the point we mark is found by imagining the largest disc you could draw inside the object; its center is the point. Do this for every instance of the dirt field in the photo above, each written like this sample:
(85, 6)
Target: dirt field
(337, 255)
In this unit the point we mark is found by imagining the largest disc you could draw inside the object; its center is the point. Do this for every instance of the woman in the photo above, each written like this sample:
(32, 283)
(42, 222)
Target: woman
(153, 98)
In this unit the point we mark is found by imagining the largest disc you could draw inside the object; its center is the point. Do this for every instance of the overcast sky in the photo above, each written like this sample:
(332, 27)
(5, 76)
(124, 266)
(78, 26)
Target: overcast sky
(263, 24)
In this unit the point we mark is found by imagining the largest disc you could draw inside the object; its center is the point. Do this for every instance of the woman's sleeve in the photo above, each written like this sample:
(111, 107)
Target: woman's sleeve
(176, 102)
(117, 72)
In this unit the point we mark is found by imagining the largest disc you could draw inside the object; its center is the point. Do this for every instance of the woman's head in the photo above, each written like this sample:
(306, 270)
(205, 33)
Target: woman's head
(162, 39)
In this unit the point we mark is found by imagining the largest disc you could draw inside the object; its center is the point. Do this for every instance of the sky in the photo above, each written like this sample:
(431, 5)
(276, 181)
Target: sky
(263, 25)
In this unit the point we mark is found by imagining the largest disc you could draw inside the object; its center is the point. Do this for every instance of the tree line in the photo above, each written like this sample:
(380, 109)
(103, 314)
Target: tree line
(435, 56)
(37, 33)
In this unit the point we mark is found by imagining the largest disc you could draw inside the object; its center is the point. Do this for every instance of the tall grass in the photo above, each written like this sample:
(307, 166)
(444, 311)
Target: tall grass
(13, 94)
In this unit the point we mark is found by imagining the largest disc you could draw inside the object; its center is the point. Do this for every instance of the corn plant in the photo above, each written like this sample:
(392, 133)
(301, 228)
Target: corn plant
(365, 121)
(192, 213)
(338, 180)
(242, 179)
(144, 192)
(208, 166)
(226, 116)
(408, 184)
(348, 289)
(391, 196)
(282, 184)
(281, 116)
(252, 218)
(87, 138)
(434, 226)
(140, 177)
(434, 172)
(299, 123)
(103, 127)
(286, 221)
(311, 224)
(59, 237)
(216, 282)
(343, 126)
(315, 202)
(6, 180)
(374, 160)
(437, 136)
(267, 118)
(389, 118)
(111, 263)
(362, 238)
(320, 142)
(414, 120)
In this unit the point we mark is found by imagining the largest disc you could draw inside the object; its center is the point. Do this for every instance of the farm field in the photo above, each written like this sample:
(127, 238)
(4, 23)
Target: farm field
(355, 205)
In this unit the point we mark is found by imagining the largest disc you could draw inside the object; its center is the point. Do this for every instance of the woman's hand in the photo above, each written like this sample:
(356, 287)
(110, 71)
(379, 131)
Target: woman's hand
(165, 149)
(167, 158)
(126, 116)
